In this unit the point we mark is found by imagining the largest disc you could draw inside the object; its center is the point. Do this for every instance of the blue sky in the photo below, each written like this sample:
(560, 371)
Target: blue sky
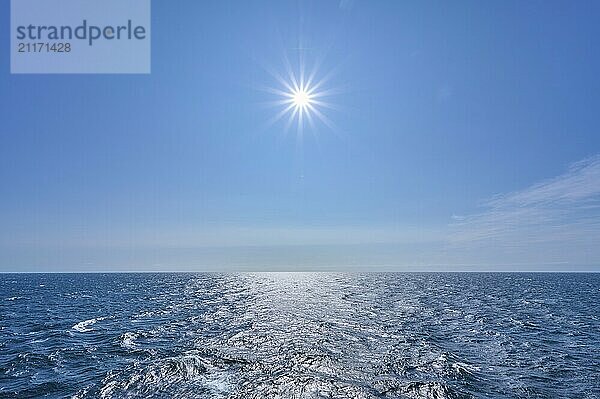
(465, 138)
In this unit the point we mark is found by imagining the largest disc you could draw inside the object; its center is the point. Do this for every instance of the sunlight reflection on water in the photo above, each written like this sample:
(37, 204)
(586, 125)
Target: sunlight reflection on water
(300, 335)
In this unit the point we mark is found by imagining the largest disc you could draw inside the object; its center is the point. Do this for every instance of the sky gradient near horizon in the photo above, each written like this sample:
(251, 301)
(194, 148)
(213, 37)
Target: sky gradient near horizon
(465, 137)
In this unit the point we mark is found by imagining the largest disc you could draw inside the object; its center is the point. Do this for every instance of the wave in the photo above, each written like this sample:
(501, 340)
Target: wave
(84, 326)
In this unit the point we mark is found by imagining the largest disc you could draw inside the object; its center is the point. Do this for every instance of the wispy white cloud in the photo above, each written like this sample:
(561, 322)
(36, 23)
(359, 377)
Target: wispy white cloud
(559, 216)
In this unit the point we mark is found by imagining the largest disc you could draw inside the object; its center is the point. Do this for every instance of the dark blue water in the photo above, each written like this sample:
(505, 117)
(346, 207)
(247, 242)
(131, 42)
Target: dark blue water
(300, 336)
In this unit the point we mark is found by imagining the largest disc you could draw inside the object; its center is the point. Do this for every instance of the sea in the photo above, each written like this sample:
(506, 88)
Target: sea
(300, 335)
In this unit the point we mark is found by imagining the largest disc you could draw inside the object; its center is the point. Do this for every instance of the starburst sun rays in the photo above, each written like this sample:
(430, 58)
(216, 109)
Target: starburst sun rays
(301, 100)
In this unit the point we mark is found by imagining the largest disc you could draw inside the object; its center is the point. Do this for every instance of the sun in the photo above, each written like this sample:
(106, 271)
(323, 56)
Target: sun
(301, 98)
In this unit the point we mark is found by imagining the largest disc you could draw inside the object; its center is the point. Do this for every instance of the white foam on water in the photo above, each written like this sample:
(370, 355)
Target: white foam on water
(218, 383)
(128, 340)
(84, 326)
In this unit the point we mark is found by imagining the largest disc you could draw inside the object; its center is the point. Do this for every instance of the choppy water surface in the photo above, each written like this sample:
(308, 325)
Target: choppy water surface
(300, 336)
